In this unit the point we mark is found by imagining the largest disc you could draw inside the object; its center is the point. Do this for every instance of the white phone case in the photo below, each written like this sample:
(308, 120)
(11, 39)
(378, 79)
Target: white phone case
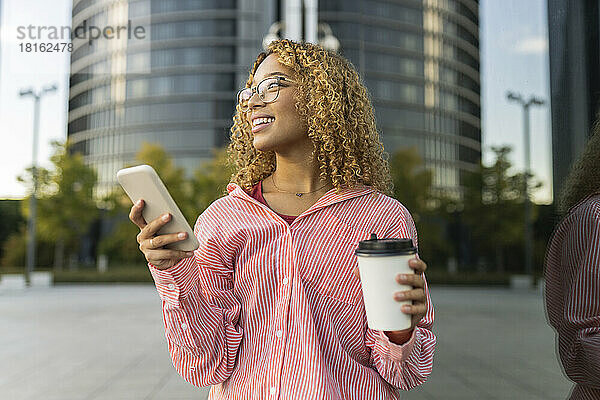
(142, 182)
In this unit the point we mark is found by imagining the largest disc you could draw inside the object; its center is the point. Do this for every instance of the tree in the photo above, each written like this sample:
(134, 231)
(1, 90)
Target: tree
(66, 208)
(493, 206)
(210, 180)
(12, 220)
(413, 188)
(412, 182)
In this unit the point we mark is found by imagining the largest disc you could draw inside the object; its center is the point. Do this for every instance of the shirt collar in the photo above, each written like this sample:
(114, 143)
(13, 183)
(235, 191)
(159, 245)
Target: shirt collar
(329, 198)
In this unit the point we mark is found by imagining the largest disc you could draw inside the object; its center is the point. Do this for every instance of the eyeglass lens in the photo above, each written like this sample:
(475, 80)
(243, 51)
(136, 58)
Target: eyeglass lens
(267, 89)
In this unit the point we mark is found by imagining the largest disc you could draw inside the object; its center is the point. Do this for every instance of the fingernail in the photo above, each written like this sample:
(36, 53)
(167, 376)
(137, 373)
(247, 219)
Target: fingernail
(165, 217)
(403, 277)
(181, 235)
(139, 202)
(406, 308)
(399, 296)
(189, 253)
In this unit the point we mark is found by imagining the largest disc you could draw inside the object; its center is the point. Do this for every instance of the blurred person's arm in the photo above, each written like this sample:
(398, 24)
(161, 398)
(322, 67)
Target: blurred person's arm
(200, 312)
(575, 282)
(408, 364)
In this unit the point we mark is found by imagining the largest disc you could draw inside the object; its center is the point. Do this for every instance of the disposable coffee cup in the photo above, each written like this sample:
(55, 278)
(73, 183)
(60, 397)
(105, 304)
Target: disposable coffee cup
(379, 261)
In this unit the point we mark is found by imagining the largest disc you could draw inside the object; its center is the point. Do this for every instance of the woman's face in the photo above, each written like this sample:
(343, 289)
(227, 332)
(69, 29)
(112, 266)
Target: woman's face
(287, 133)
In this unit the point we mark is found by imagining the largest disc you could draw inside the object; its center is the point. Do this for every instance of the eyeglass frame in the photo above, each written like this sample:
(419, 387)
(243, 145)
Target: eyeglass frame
(255, 90)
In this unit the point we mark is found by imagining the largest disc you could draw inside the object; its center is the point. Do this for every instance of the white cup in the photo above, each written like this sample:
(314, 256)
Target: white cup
(379, 261)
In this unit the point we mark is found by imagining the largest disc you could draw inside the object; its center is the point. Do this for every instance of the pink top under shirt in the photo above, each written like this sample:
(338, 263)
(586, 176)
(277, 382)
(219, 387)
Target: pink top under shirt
(257, 194)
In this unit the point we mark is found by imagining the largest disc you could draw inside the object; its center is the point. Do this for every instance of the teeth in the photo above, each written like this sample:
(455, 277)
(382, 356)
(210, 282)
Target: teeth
(259, 121)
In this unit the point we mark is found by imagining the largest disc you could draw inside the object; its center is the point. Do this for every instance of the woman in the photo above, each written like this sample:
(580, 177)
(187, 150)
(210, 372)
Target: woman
(270, 306)
(572, 274)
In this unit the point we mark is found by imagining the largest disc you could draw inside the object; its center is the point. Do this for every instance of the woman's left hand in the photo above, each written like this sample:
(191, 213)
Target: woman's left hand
(418, 309)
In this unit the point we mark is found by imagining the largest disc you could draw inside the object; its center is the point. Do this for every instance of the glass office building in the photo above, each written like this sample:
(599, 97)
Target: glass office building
(419, 59)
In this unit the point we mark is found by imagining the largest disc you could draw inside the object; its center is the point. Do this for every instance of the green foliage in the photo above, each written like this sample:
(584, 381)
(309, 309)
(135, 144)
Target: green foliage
(488, 217)
(412, 182)
(494, 208)
(210, 180)
(12, 220)
(65, 205)
(413, 188)
(67, 213)
(14, 249)
(120, 245)
(130, 274)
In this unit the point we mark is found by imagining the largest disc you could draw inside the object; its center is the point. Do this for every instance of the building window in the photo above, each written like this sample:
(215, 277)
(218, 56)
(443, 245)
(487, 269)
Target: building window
(193, 56)
(193, 29)
(161, 6)
(399, 12)
(392, 63)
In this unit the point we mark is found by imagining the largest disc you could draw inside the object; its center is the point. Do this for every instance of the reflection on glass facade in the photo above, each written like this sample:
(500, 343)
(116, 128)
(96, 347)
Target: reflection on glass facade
(177, 91)
(574, 31)
(420, 62)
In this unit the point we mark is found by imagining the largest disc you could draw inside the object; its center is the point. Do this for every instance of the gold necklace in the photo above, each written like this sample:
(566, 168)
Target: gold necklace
(299, 194)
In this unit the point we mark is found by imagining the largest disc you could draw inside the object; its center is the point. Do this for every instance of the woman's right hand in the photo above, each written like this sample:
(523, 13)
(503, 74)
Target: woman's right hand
(152, 245)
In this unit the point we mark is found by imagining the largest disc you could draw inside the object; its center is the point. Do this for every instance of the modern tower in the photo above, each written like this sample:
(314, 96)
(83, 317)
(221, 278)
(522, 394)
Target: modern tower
(420, 62)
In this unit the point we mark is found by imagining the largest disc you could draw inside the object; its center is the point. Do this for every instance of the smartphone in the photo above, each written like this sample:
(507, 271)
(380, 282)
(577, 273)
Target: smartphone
(142, 182)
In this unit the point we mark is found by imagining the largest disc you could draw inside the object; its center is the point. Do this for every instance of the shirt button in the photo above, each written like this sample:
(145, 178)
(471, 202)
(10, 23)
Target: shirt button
(184, 326)
(285, 281)
(171, 286)
(279, 333)
(273, 390)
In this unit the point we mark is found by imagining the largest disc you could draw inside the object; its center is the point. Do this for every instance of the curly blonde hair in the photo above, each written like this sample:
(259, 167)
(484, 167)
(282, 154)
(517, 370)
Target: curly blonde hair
(584, 177)
(335, 104)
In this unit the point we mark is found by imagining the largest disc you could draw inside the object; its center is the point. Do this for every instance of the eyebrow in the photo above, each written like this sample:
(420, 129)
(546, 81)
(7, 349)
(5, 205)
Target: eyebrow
(272, 74)
(276, 73)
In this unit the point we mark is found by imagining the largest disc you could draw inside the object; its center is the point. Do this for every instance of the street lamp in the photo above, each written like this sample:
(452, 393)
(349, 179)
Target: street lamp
(327, 39)
(535, 101)
(273, 34)
(31, 231)
(300, 23)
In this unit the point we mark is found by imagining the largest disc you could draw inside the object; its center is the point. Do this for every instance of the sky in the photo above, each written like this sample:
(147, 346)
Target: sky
(514, 56)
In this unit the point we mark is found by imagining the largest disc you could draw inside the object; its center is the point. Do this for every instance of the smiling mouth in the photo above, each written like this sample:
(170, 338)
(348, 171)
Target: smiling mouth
(261, 123)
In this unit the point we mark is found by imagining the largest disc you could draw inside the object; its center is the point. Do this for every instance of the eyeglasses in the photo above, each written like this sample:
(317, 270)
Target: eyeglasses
(267, 90)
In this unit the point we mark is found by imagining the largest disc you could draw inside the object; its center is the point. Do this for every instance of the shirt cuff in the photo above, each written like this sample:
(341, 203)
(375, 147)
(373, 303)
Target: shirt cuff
(175, 283)
(392, 351)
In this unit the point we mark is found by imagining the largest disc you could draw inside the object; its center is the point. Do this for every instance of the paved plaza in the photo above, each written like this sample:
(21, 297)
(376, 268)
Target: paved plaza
(107, 342)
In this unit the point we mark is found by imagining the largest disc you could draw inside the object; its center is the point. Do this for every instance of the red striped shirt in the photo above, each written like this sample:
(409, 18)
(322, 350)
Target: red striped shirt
(268, 310)
(573, 295)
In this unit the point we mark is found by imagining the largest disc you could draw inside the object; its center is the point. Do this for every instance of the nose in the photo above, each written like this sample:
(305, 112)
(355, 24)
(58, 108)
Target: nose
(254, 100)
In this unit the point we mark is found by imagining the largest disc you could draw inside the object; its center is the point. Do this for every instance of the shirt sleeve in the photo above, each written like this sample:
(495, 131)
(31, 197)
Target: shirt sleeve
(200, 312)
(577, 322)
(410, 364)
